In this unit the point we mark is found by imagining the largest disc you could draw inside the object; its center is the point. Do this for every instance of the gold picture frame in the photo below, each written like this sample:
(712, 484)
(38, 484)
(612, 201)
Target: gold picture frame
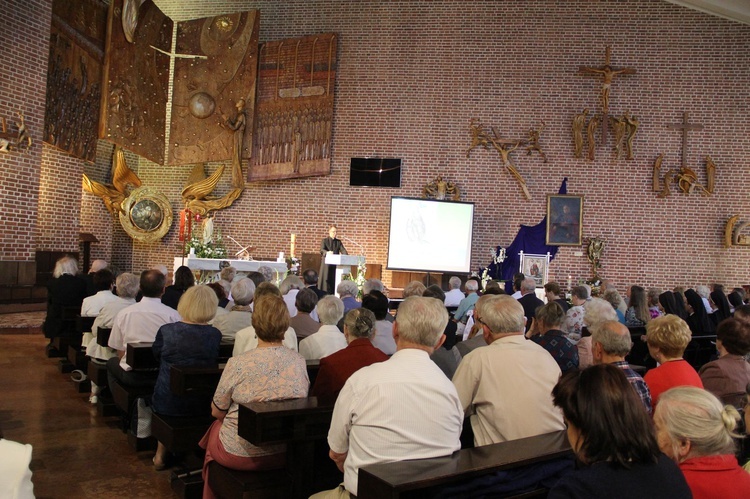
(564, 220)
(146, 215)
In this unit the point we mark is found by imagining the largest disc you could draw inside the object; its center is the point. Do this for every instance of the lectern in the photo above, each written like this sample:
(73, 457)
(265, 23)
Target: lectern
(343, 265)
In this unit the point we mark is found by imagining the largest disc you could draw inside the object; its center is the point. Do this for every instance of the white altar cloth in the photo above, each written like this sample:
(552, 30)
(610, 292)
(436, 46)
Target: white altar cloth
(213, 264)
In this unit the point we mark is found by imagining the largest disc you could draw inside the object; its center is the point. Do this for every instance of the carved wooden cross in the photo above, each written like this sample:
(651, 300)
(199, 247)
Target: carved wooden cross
(685, 126)
(608, 75)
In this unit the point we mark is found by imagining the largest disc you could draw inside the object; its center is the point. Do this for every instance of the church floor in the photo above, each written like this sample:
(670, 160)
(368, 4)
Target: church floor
(76, 452)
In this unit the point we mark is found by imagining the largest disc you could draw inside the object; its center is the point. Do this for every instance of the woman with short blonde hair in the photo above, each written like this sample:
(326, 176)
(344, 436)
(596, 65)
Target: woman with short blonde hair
(667, 337)
(694, 429)
(190, 342)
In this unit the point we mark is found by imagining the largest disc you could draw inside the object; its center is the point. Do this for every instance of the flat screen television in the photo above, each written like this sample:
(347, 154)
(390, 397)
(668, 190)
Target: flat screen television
(430, 235)
(375, 172)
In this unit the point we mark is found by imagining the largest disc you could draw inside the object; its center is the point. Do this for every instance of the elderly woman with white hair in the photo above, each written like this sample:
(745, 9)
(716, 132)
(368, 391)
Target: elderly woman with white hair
(597, 312)
(329, 338)
(240, 315)
(695, 430)
(347, 291)
(65, 291)
(289, 288)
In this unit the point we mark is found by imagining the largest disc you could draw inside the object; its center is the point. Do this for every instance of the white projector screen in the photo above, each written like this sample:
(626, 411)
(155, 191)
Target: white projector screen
(429, 235)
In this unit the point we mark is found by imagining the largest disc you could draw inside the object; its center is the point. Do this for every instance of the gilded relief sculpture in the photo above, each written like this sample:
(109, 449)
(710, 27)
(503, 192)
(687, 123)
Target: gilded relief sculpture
(441, 189)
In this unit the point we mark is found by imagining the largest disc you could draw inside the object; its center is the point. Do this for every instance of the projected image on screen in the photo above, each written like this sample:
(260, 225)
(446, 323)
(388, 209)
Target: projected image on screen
(430, 235)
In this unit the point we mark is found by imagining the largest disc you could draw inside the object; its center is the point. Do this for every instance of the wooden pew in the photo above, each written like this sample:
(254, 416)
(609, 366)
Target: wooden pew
(68, 336)
(141, 355)
(410, 479)
(102, 336)
(700, 350)
(299, 423)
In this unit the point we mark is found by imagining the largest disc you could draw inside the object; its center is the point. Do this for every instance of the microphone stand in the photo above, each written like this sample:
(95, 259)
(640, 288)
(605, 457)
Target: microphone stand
(362, 248)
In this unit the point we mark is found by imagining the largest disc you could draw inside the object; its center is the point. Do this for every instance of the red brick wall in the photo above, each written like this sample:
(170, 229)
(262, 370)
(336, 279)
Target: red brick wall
(412, 74)
(24, 25)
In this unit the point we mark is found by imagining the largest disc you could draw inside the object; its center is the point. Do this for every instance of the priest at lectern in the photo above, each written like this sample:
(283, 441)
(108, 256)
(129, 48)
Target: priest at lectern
(327, 274)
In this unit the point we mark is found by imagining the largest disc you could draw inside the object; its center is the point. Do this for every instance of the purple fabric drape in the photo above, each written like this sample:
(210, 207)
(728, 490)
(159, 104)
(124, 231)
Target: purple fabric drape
(530, 239)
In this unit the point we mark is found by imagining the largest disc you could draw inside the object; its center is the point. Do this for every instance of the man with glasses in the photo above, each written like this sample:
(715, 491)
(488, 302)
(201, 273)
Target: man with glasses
(505, 388)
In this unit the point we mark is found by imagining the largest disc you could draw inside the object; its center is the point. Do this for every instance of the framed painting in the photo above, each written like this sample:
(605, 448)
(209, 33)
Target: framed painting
(564, 219)
(535, 266)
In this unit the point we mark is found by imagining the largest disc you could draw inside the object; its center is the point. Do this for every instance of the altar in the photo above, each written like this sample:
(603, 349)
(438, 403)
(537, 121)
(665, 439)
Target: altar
(212, 264)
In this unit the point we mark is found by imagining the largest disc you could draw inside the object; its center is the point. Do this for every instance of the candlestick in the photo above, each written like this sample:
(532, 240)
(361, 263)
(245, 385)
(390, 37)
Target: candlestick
(292, 245)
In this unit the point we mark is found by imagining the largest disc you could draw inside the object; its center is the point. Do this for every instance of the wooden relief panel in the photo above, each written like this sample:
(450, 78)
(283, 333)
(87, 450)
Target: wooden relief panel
(136, 78)
(294, 109)
(207, 88)
(74, 76)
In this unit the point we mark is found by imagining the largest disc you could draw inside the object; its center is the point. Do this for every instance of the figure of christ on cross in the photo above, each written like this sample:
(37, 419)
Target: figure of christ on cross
(608, 74)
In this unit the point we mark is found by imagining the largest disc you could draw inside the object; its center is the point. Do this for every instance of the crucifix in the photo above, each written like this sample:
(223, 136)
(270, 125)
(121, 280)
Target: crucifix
(685, 126)
(608, 74)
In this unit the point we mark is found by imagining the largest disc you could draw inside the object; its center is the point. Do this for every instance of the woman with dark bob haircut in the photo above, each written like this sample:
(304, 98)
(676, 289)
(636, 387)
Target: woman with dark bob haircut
(613, 438)
(183, 279)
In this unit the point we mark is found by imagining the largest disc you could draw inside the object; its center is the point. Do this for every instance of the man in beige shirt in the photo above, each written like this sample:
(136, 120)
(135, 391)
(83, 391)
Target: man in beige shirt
(505, 388)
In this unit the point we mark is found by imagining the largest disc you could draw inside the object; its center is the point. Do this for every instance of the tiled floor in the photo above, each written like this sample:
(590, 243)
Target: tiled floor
(77, 454)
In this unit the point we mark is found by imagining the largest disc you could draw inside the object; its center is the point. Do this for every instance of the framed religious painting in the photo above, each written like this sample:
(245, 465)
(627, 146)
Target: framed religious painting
(535, 266)
(564, 219)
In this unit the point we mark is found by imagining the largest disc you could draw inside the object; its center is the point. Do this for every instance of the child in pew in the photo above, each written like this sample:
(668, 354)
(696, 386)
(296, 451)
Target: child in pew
(190, 342)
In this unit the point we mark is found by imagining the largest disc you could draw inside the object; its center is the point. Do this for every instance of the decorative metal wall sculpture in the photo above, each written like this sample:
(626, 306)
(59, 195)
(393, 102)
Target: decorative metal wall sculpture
(733, 233)
(144, 213)
(685, 178)
(216, 66)
(115, 193)
(136, 81)
(74, 76)
(20, 140)
(292, 135)
(504, 147)
(625, 127)
(594, 250)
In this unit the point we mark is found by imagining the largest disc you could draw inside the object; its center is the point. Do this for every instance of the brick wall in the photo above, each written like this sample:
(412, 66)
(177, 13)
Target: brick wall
(412, 74)
(24, 25)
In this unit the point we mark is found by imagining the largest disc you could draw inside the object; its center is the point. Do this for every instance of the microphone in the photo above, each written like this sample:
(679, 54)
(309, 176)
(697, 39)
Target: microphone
(356, 243)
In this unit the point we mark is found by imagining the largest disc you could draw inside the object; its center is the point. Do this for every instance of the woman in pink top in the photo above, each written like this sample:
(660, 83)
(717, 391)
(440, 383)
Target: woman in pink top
(696, 431)
(667, 337)
(269, 372)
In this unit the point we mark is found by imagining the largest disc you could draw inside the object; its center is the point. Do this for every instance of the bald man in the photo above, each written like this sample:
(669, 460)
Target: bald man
(610, 344)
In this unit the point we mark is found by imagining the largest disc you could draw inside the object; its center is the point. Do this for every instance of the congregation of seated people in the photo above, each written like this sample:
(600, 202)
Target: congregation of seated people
(404, 382)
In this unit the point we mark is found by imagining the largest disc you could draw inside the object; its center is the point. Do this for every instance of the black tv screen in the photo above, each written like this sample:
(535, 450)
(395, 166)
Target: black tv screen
(375, 172)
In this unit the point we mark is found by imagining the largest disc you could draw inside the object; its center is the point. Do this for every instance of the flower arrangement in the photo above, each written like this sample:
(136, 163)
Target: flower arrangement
(211, 249)
(494, 269)
(360, 279)
(292, 263)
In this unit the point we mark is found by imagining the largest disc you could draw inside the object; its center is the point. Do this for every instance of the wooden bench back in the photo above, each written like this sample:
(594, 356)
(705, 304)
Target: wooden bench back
(405, 478)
